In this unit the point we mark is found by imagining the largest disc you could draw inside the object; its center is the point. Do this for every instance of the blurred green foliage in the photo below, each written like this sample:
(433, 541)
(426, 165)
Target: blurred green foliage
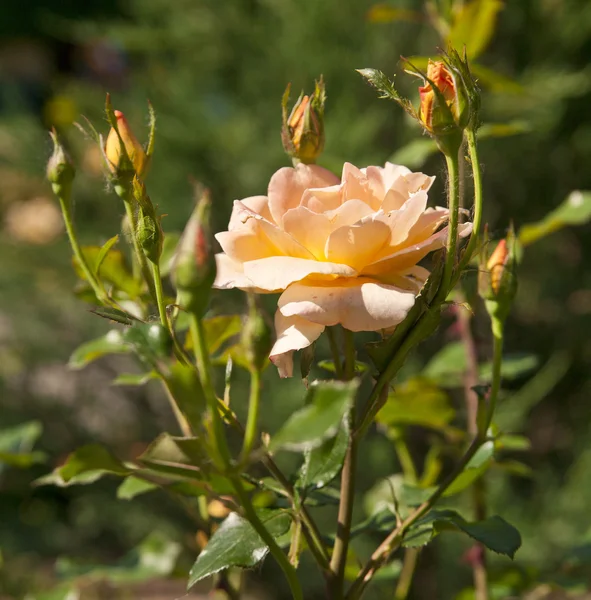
(215, 72)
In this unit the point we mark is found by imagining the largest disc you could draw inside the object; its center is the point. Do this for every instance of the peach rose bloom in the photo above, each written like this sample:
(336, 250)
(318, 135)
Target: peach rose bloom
(341, 251)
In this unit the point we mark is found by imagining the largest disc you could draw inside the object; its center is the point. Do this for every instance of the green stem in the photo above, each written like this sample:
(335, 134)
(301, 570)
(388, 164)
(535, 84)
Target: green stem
(274, 549)
(452, 231)
(408, 570)
(394, 539)
(345, 515)
(139, 253)
(250, 434)
(477, 177)
(77, 250)
(160, 296)
(204, 366)
(334, 349)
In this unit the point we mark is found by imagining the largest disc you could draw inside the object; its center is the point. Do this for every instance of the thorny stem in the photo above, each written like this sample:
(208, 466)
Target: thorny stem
(204, 366)
(253, 415)
(334, 349)
(90, 277)
(452, 232)
(479, 573)
(345, 514)
(394, 539)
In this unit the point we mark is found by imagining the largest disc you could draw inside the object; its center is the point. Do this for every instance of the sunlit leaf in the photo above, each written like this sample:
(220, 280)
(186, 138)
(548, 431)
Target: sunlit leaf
(16, 445)
(133, 486)
(478, 465)
(494, 533)
(474, 26)
(103, 254)
(85, 465)
(326, 403)
(113, 269)
(111, 343)
(417, 402)
(323, 464)
(236, 544)
(575, 210)
(134, 378)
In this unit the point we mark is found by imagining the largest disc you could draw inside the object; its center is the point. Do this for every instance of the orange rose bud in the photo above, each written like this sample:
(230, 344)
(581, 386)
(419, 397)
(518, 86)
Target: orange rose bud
(303, 130)
(497, 281)
(134, 150)
(496, 265)
(445, 108)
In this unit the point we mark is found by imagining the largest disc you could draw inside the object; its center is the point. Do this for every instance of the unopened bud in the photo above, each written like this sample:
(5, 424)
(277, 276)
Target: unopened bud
(257, 336)
(194, 266)
(60, 169)
(498, 280)
(131, 156)
(303, 130)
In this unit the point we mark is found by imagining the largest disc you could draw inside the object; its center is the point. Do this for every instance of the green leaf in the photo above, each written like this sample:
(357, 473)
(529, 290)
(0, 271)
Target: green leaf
(236, 544)
(323, 464)
(417, 402)
(133, 486)
(494, 81)
(474, 26)
(384, 13)
(575, 210)
(393, 493)
(477, 466)
(185, 387)
(85, 465)
(182, 455)
(448, 366)
(134, 378)
(171, 240)
(155, 557)
(495, 533)
(113, 314)
(111, 343)
(326, 404)
(16, 445)
(103, 254)
(220, 329)
(113, 269)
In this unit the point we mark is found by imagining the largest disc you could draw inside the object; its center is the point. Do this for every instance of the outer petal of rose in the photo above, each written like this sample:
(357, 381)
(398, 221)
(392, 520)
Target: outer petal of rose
(230, 274)
(256, 204)
(310, 229)
(358, 305)
(409, 256)
(404, 187)
(288, 185)
(277, 272)
(293, 333)
(356, 245)
(412, 279)
(256, 238)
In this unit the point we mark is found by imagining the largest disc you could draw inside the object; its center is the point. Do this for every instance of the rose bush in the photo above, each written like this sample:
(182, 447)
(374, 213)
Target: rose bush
(341, 251)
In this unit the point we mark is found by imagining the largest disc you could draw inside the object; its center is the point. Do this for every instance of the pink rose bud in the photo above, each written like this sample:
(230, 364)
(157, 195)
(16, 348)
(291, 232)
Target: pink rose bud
(131, 146)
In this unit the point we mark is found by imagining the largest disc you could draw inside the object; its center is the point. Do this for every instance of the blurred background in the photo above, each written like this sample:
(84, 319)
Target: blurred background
(215, 72)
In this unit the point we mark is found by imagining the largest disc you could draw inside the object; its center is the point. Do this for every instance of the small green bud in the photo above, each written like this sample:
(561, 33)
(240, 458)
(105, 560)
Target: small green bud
(194, 267)
(60, 169)
(302, 132)
(257, 336)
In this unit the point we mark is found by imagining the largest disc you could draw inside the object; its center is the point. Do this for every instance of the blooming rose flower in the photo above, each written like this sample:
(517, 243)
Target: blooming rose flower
(341, 251)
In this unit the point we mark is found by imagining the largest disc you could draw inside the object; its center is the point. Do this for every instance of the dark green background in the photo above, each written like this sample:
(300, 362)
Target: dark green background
(215, 71)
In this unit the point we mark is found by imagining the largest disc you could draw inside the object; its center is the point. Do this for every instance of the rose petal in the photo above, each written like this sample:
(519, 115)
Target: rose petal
(400, 222)
(230, 274)
(356, 245)
(277, 272)
(254, 204)
(409, 256)
(309, 228)
(293, 333)
(358, 187)
(288, 185)
(349, 213)
(255, 237)
(359, 304)
(320, 200)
